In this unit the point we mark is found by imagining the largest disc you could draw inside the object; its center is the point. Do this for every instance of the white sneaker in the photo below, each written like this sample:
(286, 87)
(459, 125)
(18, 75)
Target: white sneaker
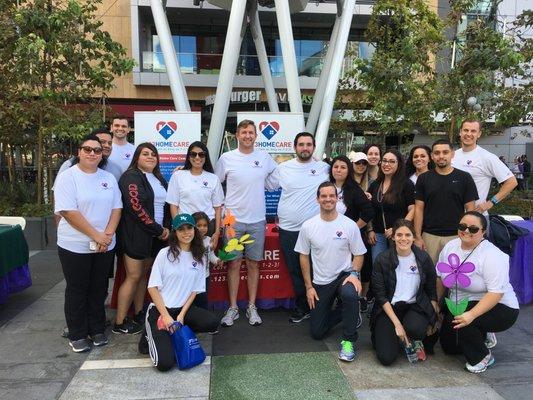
(481, 366)
(490, 340)
(231, 315)
(253, 316)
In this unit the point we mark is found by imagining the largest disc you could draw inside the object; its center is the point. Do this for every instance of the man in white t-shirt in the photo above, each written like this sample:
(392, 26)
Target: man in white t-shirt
(122, 150)
(245, 171)
(299, 179)
(331, 239)
(482, 165)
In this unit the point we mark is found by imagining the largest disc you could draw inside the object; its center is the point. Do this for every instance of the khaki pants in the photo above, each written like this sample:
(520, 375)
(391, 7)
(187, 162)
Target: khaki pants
(435, 244)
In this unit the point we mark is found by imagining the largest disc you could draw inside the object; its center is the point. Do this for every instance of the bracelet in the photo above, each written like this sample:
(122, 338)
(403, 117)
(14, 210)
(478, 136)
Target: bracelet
(494, 200)
(356, 273)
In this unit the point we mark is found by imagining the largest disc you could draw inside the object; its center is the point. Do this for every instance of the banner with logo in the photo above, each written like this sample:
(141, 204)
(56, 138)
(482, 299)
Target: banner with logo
(170, 132)
(275, 135)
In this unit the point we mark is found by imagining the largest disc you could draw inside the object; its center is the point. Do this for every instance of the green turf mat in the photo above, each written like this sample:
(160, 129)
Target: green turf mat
(294, 376)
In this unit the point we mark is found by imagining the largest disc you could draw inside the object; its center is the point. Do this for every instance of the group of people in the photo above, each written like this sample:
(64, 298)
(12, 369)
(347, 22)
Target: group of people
(368, 229)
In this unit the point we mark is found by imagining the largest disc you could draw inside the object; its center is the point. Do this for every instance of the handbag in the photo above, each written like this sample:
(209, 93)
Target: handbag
(187, 348)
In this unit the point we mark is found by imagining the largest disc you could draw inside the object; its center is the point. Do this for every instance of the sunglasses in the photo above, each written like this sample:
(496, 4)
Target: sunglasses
(471, 228)
(194, 154)
(89, 150)
(361, 162)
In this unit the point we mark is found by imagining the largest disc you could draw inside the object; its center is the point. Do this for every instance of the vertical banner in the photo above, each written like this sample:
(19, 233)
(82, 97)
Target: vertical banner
(170, 132)
(275, 135)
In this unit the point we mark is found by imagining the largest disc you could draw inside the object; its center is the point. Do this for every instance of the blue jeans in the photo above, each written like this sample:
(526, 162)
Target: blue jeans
(381, 245)
(292, 259)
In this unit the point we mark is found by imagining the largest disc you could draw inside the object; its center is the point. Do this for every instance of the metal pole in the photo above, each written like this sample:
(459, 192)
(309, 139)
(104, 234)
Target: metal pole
(260, 48)
(228, 67)
(331, 87)
(289, 56)
(312, 120)
(179, 95)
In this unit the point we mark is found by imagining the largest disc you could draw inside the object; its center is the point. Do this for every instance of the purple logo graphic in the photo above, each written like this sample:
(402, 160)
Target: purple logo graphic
(194, 264)
(127, 156)
(256, 163)
(339, 233)
(412, 268)
(205, 183)
(166, 129)
(468, 162)
(313, 171)
(269, 129)
(456, 271)
(105, 185)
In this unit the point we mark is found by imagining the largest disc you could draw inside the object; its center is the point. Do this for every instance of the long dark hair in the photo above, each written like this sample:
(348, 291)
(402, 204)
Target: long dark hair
(197, 247)
(135, 161)
(397, 180)
(350, 185)
(207, 165)
(410, 168)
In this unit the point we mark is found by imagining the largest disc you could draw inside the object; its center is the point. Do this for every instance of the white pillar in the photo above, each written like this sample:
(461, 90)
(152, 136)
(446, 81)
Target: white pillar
(179, 95)
(232, 47)
(316, 106)
(289, 56)
(331, 87)
(257, 35)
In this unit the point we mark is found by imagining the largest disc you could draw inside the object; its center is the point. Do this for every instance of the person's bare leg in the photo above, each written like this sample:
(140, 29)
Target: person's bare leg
(253, 279)
(127, 290)
(140, 292)
(234, 278)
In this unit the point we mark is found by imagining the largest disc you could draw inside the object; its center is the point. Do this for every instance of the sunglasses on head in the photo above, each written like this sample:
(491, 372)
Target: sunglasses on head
(89, 150)
(471, 228)
(194, 154)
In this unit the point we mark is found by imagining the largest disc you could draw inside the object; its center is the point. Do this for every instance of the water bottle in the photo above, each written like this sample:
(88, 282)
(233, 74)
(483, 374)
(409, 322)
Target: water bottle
(410, 352)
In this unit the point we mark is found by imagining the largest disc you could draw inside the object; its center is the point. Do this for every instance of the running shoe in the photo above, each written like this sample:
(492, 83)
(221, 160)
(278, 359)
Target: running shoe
(231, 315)
(79, 346)
(100, 339)
(127, 327)
(298, 316)
(490, 340)
(481, 366)
(253, 316)
(347, 351)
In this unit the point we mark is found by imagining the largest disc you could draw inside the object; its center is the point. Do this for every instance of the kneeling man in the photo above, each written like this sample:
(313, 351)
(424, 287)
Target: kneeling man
(331, 239)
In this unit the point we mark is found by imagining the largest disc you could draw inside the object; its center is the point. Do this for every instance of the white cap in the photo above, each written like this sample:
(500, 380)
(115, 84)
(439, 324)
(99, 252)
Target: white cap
(357, 156)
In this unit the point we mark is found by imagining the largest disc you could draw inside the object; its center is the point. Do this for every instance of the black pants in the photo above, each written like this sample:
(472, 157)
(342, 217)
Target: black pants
(470, 340)
(384, 338)
(292, 259)
(323, 318)
(87, 279)
(201, 298)
(160, 342)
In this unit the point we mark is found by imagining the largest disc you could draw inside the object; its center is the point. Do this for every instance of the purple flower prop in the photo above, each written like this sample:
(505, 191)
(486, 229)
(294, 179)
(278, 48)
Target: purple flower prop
(456, 271)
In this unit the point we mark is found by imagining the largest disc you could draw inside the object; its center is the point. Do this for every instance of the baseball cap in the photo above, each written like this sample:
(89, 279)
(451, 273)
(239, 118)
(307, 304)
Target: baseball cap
(183, 219)
(357, 156)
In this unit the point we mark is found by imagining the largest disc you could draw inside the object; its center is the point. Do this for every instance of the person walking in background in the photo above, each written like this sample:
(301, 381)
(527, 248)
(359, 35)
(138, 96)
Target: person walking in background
(418, 162)
(298, 178)
(143, 231)
(89, 202)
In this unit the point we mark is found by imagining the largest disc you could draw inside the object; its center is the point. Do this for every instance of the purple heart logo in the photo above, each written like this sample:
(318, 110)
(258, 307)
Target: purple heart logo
(205, 183)
(313, 171)
(127, 155)
(194, 264)
(104, 184)
(256, 162)
(339, 233)
(412, 268)
(469, 162)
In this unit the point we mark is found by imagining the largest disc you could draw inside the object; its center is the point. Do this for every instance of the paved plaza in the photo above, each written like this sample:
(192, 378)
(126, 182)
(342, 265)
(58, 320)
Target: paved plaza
(274, 361)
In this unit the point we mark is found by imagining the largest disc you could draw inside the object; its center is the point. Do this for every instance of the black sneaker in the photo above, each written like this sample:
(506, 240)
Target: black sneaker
(100, 339)
(139, 318)
(298, 316)
(79, 346)
(127, 327)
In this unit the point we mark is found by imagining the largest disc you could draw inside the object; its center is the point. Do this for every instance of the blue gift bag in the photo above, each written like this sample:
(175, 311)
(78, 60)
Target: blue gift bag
(187, 348)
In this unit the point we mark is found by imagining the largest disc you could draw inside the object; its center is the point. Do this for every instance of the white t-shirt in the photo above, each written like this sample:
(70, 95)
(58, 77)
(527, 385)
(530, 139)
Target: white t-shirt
(110, 166)
(341, 207)
(491, 273)
(413, 178)
(299, 182)
(122, 155)
(331, 245)
(245, 176)
(94, 196)
(483, 166)
(160, 195)
(407, 280)
(192, 193)
(177, 279)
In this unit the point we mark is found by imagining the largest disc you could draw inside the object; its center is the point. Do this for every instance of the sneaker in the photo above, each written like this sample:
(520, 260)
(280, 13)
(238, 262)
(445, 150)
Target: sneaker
(347, 352)
(64, 332)
(253, 316)
(127, 327)
(481, 366)
(231, 315)
(490, 340)
(100, 339)
(79, 346)
(139, 318)
(143, 343)
(363, 305)
(418, 346)
(298, 316)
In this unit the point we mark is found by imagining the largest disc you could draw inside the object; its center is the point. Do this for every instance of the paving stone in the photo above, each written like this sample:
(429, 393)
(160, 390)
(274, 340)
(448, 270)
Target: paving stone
(442, 393)
(515, 392)
(25, 390)
(36, 370)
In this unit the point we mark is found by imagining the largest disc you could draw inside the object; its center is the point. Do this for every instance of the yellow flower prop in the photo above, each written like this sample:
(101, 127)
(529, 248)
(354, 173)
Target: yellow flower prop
(234, 245)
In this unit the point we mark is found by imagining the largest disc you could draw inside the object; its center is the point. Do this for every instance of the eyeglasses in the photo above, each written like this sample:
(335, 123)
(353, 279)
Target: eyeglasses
(89, 150)
(194, 154)
(385, 161)
(361, 162)
(471, 228)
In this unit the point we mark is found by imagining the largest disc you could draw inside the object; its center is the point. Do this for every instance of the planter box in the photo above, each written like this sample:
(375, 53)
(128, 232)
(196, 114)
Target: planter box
(41, 233)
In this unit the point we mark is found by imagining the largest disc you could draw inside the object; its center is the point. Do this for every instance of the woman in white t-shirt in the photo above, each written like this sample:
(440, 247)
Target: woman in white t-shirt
(196, 188)
(403, 281)
(89, 202)
(142, 232)
(481, 271)
(177, 276)
(418, 162)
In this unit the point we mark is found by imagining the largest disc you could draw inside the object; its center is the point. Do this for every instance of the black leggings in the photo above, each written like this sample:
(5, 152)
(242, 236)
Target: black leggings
(470, 340)
(160, 342)
(384, 338)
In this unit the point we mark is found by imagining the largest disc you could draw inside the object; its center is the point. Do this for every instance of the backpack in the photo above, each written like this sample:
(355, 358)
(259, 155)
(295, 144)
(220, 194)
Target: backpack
(503, 234)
